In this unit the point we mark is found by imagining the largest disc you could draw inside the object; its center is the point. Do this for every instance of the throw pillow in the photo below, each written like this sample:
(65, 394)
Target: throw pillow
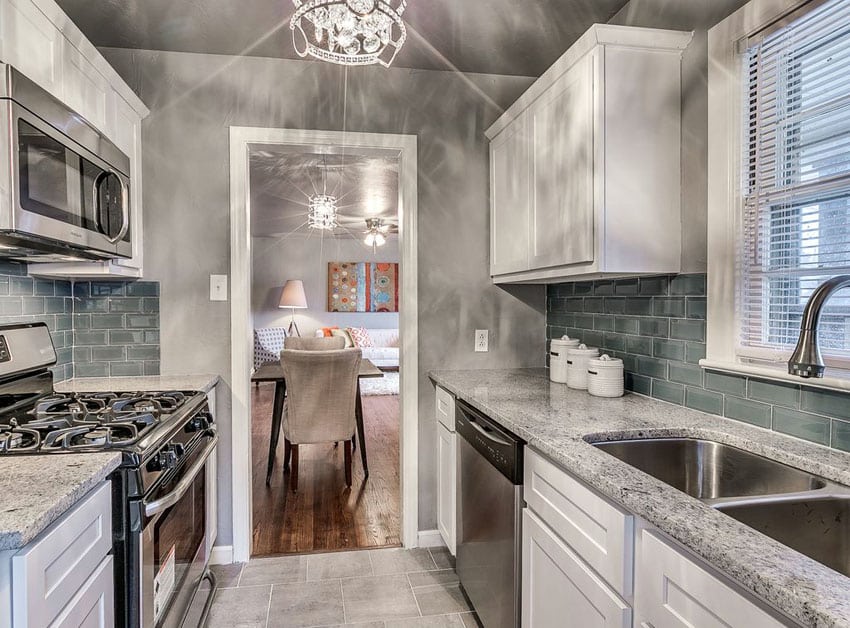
(343, 333)
(327, 332)
(360, 337)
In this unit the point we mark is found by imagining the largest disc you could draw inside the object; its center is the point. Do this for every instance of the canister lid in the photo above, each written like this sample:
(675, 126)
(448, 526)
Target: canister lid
(605, 361)
(583, 350)
(564, 341)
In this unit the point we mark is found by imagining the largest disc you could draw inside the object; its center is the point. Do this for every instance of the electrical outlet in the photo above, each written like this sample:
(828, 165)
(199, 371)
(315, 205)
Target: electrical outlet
(482, 337)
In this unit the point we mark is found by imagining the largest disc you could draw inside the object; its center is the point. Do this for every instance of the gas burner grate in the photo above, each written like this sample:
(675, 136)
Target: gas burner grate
(86, 437)
(15, 438)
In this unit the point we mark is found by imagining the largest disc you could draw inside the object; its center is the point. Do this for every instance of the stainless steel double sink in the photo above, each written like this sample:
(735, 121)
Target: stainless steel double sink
(803, 511)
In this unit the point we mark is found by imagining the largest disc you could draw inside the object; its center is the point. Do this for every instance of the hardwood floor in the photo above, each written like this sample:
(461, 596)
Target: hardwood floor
(325, 515)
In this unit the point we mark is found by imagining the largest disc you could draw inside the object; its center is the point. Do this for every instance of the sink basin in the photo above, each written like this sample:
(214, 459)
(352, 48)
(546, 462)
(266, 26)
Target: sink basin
(709, 470)
(817, 527)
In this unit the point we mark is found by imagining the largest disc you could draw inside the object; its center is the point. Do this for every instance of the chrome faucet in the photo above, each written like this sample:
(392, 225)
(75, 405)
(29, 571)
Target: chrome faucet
(806, 361)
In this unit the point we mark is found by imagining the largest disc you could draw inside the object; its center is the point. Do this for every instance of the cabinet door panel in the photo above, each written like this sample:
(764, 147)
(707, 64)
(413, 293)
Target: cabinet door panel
(446, 472)
(85, 89)
(562, 211)
(558, 589)
(509, 199)
(672, 591)
(31, 43)
(93, 605)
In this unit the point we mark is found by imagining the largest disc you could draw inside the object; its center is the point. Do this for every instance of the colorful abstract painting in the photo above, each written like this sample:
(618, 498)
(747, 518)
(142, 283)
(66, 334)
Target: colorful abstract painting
(362, 287)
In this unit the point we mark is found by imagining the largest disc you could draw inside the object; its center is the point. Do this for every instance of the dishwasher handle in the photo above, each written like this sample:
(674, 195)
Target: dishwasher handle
(499, 447)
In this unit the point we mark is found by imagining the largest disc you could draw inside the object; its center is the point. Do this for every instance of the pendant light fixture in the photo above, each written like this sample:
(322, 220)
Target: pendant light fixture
(375, 233)
(349, 32)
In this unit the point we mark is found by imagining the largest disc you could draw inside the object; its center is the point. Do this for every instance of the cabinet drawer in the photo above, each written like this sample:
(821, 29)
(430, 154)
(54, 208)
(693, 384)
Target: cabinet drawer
(93, 605)
(673, 591)
(558, 589)
(50, 571)
(446, 485)
(446, 408)
(601, 533)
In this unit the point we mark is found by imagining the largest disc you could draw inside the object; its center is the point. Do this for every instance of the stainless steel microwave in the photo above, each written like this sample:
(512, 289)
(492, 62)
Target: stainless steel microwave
(64, 187)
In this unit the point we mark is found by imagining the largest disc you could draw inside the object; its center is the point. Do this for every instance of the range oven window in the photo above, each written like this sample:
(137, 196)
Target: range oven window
(178, 534)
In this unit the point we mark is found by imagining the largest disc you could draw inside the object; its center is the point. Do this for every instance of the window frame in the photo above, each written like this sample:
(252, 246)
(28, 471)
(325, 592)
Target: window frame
(727, 42)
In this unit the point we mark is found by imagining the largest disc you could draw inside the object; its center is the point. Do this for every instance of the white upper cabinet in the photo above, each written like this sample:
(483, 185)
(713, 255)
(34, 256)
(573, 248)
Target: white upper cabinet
(41, 41)
(585, 172)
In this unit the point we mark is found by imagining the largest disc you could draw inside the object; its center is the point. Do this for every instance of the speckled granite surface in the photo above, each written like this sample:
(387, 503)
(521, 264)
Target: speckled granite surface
(37, 490)
(147, 382)
(559, 422)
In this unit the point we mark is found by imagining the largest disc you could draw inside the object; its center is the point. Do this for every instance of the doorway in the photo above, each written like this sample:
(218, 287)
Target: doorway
(324, 232)
(324, 514)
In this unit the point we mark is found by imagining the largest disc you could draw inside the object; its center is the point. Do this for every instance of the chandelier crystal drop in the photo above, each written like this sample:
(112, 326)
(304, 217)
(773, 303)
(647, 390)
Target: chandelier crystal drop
(349, 32)
(323, 212)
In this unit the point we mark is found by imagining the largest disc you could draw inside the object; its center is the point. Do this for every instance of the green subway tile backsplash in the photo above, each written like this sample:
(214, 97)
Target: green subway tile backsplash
(657, 326)
(82, 318)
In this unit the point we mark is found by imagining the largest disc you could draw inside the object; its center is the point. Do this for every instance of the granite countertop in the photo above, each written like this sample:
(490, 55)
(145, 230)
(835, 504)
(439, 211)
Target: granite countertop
(203, 383)
(560, 423)
(36, 490)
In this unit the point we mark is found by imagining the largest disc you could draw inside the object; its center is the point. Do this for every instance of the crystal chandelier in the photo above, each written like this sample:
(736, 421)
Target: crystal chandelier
(322, 213)
(349, 32)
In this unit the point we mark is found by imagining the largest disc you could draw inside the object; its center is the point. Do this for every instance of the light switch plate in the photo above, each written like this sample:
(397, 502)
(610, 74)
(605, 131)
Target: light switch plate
(218, 287)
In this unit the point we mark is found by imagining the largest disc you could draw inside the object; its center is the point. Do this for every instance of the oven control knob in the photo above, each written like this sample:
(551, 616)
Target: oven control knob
(179, 449)
(199, 423)
(159, 462)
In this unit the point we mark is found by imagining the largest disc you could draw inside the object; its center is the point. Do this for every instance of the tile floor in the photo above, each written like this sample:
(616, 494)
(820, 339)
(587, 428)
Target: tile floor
(384, 588)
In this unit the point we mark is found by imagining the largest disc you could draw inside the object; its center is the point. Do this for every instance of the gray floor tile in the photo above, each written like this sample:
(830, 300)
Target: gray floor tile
(390, 561)
(226, 576)
(428, 578)
(378, 598)
(240, 608)
(443, 558)
(435, 621)
(278, 570)
(338, 565)
(439, 600)
(470, 620)
(302, 604)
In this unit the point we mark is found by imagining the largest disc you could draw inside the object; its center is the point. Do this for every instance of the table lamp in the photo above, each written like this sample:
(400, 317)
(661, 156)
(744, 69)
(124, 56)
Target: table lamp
(294, 298)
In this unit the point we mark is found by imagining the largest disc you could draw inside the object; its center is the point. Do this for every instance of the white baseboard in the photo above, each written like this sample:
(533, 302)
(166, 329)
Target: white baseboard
(221, 555)
(430, 538)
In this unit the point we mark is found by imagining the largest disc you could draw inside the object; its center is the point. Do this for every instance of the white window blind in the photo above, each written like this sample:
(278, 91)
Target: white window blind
(796, 180)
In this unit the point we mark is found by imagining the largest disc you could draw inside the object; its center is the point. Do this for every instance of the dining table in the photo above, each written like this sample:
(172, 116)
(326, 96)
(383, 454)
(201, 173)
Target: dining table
(273, 372)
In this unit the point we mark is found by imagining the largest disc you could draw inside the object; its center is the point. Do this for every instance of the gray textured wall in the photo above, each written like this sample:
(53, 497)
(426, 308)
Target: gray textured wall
(699, 16)
(306, 258)
(195, 98)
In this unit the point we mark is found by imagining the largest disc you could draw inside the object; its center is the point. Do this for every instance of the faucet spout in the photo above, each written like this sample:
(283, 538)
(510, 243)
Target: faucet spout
(806, 361)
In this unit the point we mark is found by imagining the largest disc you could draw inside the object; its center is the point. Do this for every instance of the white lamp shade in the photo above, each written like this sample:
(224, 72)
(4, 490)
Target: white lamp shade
(293, 295)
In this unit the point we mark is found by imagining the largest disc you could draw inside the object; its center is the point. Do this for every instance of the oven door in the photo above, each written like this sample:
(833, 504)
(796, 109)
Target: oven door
(64, 192)
(173, 548)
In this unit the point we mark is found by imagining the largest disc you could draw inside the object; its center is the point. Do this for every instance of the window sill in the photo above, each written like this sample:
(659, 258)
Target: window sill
(833, 379)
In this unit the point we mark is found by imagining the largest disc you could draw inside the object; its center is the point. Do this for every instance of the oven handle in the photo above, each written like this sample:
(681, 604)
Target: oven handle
(158, 505)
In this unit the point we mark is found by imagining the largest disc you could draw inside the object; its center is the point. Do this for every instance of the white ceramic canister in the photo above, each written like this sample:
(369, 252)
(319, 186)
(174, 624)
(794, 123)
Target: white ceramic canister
(577, 359)
(558, 358)
(605, 376)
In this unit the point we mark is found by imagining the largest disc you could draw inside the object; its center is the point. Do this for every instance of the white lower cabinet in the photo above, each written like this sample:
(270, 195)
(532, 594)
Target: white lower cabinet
(446, 468)
(558, 589)
(64, 577)
(674, 591)
(583, 556)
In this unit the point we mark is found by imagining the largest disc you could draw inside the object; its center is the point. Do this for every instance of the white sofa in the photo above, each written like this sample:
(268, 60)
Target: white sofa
(385, 353)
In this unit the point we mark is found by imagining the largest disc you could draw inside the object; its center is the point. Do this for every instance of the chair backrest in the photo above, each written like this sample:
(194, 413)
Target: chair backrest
(268, 343)
(321, 388)
(314, 344)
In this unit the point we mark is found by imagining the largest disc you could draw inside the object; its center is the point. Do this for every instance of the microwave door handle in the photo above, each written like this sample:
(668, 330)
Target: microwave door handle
(125, 210)
(166, 501)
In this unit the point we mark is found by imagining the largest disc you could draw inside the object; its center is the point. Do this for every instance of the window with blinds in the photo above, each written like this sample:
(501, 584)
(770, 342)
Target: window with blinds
(796, 180)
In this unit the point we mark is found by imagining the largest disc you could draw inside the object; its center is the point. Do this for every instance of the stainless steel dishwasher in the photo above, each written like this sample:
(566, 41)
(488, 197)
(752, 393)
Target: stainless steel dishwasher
(489, 512)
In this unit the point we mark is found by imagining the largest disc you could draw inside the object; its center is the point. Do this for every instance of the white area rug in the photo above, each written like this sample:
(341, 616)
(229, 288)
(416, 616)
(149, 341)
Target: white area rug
(386, 385)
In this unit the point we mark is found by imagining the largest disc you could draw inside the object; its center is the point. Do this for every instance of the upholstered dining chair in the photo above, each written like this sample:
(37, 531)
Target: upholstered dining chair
(319, 408)
(313, 344)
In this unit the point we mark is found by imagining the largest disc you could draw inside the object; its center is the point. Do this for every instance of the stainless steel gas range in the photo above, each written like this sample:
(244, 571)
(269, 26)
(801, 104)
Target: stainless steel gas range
(159, 493)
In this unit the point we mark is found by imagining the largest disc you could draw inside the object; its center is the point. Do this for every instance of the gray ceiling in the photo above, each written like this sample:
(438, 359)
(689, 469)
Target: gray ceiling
(520, 37)
(282, 178)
